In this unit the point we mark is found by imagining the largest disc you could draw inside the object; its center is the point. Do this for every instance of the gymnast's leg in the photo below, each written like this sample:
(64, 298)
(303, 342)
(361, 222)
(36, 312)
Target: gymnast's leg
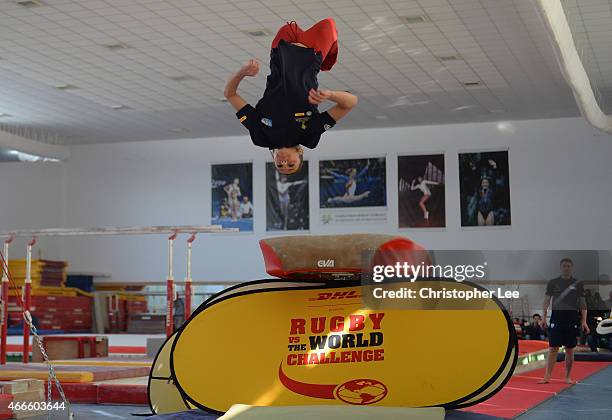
(322, 37)
(289, 32)
(352, 198)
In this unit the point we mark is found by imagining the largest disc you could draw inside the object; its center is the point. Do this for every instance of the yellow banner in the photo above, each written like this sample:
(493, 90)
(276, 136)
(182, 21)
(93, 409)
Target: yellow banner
(269, 343)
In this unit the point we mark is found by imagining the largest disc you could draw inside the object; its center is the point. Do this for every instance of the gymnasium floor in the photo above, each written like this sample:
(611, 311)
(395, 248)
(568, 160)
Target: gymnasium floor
(590, 398)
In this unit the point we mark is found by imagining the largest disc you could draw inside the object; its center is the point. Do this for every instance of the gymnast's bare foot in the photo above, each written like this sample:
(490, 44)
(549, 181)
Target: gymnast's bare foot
(569, 381)
(543, 381)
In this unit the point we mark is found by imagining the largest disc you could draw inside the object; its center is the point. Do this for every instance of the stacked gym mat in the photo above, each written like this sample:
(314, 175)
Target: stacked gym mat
(45, 273)
(55, 313)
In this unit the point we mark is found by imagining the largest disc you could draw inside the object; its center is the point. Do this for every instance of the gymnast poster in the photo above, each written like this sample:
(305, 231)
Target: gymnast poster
(232, 196)
(287, 199)
(353, 190)
(484, 186)
(421, 191)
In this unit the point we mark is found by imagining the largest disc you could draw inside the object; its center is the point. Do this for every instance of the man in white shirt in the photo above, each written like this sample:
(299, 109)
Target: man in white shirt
(246, 208)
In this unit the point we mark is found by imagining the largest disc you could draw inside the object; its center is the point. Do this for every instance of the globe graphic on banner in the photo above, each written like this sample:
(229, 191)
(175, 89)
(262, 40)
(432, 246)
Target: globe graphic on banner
(361, 391)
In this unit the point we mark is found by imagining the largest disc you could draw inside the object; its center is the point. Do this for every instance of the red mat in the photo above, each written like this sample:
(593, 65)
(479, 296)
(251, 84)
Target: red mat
(103, 393)
(18, 348)
(523, 392)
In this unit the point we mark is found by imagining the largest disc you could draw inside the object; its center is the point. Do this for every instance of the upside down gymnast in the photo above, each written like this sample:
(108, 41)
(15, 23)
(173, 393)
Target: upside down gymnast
(287, 116)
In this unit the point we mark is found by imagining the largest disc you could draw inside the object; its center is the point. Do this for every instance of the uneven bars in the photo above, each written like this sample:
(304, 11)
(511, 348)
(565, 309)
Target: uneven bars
(114, 230)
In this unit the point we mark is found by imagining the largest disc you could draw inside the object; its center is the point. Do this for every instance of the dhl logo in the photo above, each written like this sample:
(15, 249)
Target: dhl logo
(351, 294)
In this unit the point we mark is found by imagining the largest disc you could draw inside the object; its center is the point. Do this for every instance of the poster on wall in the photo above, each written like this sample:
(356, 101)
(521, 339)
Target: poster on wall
(421, 192)
(353, 191)
(232, 196)
(287, 204)
(484, 186)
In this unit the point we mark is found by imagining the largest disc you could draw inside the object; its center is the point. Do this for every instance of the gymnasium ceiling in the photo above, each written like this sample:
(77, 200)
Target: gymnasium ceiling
(89, 71)
(591, 25)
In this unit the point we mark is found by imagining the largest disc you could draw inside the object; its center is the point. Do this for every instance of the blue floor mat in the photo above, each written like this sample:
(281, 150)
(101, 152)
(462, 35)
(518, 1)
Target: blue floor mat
(466, 415)
(186, 415)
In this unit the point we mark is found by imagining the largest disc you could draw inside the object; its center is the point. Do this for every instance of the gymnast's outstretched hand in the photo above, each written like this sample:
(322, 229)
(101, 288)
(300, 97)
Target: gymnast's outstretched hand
(250, 69)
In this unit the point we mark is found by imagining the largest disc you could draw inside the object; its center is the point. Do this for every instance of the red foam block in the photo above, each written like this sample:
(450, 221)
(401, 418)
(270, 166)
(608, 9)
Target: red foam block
(101, 393)
(122, 394)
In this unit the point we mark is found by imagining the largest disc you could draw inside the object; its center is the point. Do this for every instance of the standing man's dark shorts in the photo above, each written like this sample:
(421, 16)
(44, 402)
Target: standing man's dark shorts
(563, 334)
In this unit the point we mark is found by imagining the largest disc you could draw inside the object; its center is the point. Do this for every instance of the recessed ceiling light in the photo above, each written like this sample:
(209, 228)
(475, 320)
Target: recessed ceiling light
(116, 46)
(463, 107)
(119, 106)
(3, 114)
(65, 86)
(257, 32)
(182, 78)
(180, 130)
(30, 3)
(449, 57)
(382, 117)
(471, 83)
(222, 99)
(412, 19)
(27, 157)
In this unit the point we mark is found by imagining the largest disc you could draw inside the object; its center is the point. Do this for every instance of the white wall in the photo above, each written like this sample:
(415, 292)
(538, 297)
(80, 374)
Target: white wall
(560, 179)
(30, 198)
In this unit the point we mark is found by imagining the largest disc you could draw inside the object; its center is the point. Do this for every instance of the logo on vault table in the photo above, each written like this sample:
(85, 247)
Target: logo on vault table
(355, 392)
(326, 263)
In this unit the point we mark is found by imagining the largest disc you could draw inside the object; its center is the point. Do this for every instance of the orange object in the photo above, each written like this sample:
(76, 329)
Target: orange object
(322, 37)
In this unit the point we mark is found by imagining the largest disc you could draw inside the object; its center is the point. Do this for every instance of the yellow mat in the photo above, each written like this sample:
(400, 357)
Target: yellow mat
(93, 362)
(73, 376)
